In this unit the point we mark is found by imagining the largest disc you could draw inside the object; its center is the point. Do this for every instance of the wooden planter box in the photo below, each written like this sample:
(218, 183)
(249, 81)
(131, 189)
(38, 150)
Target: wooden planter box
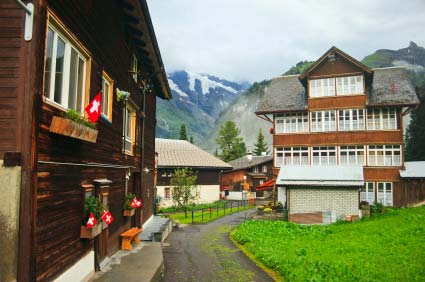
(90, 233)
(129, 212)
(73, 129)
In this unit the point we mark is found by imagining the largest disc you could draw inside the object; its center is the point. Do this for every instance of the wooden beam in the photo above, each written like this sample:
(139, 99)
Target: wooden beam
(134, 31)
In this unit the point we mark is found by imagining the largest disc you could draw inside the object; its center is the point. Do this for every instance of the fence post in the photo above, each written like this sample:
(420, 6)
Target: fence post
(224, 207)
(231, 207)
(192, 215)
(210, 212)
(217, 209)
(202, 212)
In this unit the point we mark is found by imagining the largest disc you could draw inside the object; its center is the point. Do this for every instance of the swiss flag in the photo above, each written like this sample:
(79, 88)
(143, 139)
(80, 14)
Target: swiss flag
(136, 203)
(91, 222)
(107, 217)
(93, 109)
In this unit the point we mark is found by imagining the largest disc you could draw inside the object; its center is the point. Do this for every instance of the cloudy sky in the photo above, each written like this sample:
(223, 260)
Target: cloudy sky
(257, 39)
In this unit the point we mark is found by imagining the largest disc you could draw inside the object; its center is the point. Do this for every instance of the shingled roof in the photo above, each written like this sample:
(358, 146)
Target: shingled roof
(243, 162)
(181, 153)
(390, 87)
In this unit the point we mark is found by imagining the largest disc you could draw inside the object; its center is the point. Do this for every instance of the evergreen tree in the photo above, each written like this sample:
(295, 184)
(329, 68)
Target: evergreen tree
(183, 135)
(231, 145)
(261, 145)
(191, 139)
(415, 135)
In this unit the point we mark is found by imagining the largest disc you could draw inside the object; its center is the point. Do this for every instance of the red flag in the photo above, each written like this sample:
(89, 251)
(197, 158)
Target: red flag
(93, 109)
(107, 217)
(136, 203)
(91, 222)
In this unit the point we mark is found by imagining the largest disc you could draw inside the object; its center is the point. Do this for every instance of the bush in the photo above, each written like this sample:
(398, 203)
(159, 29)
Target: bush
(127, 202)
(377, 208)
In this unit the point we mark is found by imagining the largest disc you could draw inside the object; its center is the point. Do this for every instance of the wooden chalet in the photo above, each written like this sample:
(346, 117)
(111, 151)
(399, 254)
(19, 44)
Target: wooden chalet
(248, 173)
(55, 57)
(338, 114)
(174, 154)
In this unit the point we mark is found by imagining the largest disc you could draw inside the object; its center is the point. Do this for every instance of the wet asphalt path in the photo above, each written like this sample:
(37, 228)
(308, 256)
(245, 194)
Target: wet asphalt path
(205, 253)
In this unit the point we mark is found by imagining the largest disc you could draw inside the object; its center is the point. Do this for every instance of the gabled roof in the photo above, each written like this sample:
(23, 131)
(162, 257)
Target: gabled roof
(413, 170)
(334, 50)
(181, 153)
(337, 175)
(243, 162)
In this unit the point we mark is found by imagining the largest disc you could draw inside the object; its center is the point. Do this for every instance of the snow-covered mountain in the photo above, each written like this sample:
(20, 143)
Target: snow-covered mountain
(197, 101)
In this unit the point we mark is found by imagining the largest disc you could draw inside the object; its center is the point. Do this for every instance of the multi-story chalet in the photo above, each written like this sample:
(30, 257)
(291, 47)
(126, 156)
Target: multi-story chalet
(174, 154)
(338, 130)
(57, 56)
(249, 170)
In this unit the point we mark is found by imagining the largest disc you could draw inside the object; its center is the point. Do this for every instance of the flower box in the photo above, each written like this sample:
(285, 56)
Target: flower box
(72, 129)
(129, 212)
(90, 233)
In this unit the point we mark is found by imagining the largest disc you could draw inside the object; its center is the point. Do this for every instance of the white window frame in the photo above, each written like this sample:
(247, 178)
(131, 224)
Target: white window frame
(323, 121)
(165, 193)
(352, 155)
(291, 122)
(351, 119)
(296, 155)
(367, 193)
(264, 168)
(80, 71)
(349, 85)
(323, 87)
(107, 96)
(384, 155)
(385, 197)
(326, 155)
(255, 169)
(382, 119)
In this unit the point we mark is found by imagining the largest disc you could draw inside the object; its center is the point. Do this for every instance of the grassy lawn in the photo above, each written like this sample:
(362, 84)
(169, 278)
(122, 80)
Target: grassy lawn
(197, 215)
(388, 247)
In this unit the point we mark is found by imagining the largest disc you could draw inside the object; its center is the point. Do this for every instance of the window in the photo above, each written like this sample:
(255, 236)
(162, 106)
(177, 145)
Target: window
(292, 156)
(65, 70)
(134, 68)
(352, 155)
(367, 193)
(261, 182)
(167, 193)
(322, 121)
(164, 174)
(351, 119)
(129, 128)
(264, 168)
(385, 193)
(381, 118)
(104, 200)
(255, 169)
(349, 85)
(292, 122)
(324, 155)
(107, 90)
(322, 87)
(384, 155)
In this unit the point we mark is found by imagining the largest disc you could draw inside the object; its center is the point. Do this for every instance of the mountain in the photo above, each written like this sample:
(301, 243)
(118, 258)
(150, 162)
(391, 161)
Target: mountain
(241, 111)
(197, 101)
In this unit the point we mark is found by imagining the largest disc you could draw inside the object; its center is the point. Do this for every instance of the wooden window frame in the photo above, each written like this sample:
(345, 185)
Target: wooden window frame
(106, 79)
(129, 108)
(134, 68)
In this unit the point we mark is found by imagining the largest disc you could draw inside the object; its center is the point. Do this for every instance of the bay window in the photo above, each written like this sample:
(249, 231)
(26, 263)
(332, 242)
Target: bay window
(291, 122)
(322, 121)
(65, 70)
(351, 119)
(325, 155)
(384, 155)
(352, 155)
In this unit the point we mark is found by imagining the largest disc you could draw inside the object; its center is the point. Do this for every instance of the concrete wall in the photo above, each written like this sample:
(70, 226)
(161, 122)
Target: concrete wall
(81, 271)
(340, 200)
(10, 183)
(207, 194)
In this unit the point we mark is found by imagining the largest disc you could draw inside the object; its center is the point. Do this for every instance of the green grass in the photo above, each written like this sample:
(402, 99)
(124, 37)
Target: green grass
(197, 215)
(198, 206)
(389, 247)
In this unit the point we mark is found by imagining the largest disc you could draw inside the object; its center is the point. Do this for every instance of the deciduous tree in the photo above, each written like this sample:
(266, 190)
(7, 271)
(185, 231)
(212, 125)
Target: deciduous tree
(184, 191)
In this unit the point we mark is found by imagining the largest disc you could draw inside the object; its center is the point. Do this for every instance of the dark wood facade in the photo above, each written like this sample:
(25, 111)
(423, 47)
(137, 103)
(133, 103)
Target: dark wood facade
(55, 168)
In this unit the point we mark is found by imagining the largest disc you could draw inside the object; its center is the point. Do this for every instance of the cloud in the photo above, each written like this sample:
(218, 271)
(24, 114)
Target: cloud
(258, 39)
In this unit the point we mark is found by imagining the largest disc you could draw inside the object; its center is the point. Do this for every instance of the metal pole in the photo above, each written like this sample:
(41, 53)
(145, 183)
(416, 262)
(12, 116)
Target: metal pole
(23, 6)
(192, 215)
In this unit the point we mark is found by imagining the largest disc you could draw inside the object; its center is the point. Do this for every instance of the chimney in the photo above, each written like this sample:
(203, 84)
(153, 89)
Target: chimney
(249, 156)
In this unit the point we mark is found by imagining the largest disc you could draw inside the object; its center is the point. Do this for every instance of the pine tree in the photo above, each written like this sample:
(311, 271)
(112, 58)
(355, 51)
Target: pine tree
(261, 145)
(415, 135)
(191, 139)
(183, 135)
(231, 145)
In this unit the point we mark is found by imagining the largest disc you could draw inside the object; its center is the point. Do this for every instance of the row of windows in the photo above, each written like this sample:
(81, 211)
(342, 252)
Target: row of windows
(348, 120)
(66, 72)
(348, 85)
(382, 195)
(377, 155)
(256, 169)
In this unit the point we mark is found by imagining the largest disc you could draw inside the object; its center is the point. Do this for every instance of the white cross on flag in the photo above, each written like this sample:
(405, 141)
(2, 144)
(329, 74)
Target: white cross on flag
(107, 217)
(91, 222)
(93, 109)
(136, 203)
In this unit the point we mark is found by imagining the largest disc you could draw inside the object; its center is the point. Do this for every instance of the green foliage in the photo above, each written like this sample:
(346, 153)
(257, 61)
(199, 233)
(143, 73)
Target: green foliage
(76, 116)
(261, 145)
(299, 68)
(382, 248)
(184, 191)
(231, 145)
(183, 135)
(127, 202)
(415, 135)
(191, 139)
(257, 87)
(93, 206)
(379, 59)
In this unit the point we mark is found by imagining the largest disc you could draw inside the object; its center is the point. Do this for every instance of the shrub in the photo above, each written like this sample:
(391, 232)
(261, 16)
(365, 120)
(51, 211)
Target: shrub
(93, 206)
(127, 202)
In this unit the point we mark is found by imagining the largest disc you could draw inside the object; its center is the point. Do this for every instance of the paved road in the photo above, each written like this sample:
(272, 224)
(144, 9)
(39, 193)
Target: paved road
(205, 253)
